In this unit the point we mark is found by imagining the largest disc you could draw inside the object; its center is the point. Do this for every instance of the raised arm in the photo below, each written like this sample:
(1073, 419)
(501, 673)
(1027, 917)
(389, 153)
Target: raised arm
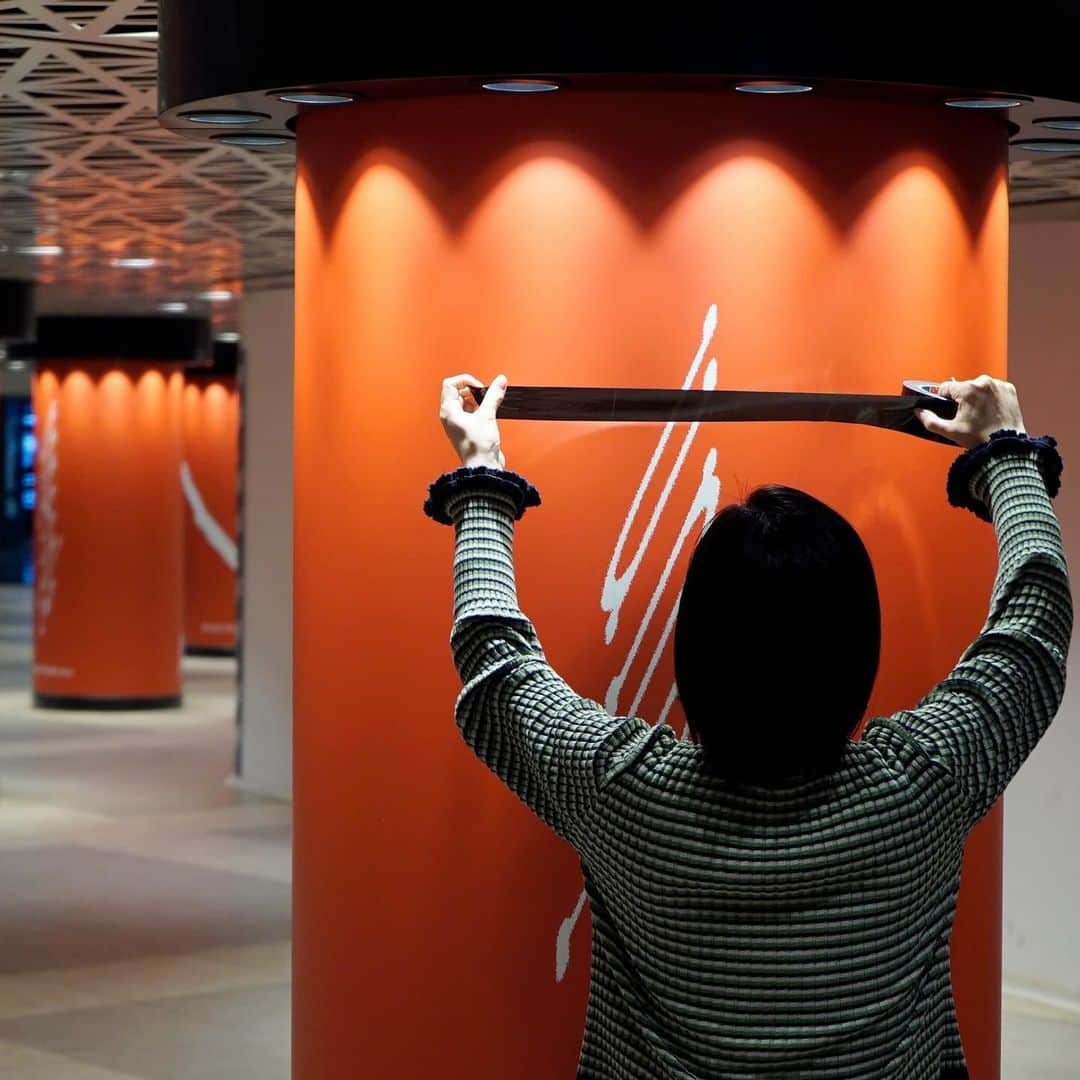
(985, 717)
(553, 748)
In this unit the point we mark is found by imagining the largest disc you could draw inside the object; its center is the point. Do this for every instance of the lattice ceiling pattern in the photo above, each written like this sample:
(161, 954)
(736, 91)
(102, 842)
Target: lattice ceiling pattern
(84, 166)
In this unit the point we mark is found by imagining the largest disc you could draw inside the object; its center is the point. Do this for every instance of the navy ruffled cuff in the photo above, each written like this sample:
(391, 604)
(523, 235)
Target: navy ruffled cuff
(479, 478)
(965, 467)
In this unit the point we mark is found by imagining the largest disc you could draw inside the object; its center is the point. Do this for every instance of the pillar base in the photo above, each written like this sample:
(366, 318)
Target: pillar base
(105, 704)
(210, 650)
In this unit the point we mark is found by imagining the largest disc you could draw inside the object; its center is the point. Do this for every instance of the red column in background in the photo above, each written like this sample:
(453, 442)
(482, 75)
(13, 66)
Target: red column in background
(608, 239)
(211, 455)
(108, 537)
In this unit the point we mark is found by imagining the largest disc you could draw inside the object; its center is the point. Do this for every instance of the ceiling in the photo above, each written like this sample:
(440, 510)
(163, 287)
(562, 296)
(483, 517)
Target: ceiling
(85, 166)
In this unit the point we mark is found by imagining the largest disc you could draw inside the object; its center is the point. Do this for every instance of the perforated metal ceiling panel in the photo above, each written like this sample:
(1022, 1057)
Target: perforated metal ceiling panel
(84, 166)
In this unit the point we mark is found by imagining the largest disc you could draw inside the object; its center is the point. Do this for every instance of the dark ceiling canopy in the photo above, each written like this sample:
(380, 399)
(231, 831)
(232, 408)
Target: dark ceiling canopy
(210, 48)
(236, 55)
(223, 364)
(123, 337)
(16, 308)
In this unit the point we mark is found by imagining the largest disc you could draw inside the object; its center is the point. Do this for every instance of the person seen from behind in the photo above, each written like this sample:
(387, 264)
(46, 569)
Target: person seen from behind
(771, 897)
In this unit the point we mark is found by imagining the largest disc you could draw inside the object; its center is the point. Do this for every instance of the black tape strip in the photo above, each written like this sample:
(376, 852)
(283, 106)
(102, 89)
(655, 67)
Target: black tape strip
(619, 403)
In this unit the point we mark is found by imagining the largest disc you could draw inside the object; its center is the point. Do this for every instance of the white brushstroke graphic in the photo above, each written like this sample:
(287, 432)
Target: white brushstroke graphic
(47, 518)
(616, 589)
(205, 522)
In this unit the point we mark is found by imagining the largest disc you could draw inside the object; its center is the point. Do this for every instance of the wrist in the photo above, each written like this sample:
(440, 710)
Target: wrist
(487, 461)
(447, 493)
(986, 435)
(968, 483)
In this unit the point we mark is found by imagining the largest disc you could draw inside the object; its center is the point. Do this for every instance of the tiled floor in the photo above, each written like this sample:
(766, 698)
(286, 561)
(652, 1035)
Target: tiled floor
(144, 904)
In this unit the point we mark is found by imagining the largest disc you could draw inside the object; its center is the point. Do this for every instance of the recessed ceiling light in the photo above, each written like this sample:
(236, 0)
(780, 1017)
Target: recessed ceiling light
(522, 86)
(145, 35)
(40, 249)
(989, 101)
(771, 86)
(228, 336)
(16, 365)
(254, 140)
(224, 117)
(133, 263)
(173, 307)
(1059, 123)
(1050, 146)
(216, 296)
(315, 97)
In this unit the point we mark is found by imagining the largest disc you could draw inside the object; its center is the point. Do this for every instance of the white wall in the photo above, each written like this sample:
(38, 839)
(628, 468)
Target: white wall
(1042, 806)
(265, 752)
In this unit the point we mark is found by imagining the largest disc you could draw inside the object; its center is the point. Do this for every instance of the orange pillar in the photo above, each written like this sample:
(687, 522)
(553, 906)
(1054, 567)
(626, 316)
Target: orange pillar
(208, 479)
(635, 239)
(108, 568)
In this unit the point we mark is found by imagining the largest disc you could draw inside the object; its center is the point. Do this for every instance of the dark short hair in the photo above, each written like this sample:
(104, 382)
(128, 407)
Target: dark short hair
(777, 638)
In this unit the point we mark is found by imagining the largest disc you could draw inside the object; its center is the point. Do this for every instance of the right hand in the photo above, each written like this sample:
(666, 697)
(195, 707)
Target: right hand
(473, 429)
(984, 405)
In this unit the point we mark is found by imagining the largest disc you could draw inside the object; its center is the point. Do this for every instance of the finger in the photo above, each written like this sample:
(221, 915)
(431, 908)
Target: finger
(925, 417)
(494, 396)
(449, 400)
(933, 423)
(954, 389)
(460, 382)
(453, 387)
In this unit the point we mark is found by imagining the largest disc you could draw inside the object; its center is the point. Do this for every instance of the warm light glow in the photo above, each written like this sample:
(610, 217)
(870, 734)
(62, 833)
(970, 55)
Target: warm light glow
(115, 394)
(548, 205)
(216, 399)
(908, 241)
(769, 242)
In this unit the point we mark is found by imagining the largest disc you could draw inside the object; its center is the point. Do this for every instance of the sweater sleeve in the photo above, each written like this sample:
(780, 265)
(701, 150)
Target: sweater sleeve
(553, 748)
(985, 717)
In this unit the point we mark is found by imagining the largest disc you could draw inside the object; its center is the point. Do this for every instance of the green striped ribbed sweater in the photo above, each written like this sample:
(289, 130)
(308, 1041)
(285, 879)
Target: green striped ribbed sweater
(746, 932)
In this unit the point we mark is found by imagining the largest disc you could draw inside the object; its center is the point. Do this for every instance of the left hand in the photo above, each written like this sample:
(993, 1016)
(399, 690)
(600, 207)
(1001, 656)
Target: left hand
(471, 428)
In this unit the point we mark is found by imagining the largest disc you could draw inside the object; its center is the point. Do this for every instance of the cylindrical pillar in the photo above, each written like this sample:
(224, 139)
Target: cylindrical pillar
(209, 478)
(108, 581)
(638, 238)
